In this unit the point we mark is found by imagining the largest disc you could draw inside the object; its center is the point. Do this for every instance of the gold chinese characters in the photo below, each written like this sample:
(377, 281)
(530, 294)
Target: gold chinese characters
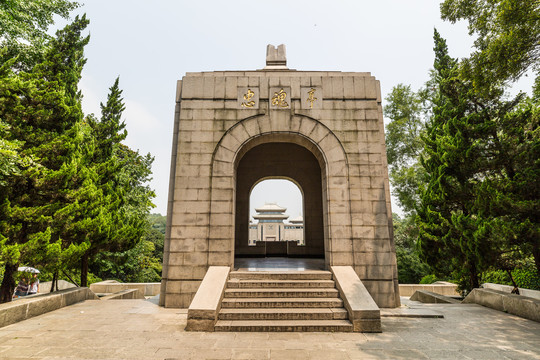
(248, 96)
(279, 99)
(311, 97)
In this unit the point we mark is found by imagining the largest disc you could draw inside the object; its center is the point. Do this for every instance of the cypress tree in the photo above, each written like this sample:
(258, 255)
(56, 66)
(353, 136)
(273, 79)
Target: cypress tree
(452, 236)
(43, 208)
(122, 176)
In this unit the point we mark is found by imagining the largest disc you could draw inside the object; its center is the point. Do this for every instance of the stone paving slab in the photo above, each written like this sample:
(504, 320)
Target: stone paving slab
(139, 329)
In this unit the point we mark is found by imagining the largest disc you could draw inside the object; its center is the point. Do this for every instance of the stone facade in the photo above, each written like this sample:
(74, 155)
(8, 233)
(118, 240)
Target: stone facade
(332, 121)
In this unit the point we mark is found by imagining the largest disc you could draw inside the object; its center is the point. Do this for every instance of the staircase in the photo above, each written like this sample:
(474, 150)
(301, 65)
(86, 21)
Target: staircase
(282, 301)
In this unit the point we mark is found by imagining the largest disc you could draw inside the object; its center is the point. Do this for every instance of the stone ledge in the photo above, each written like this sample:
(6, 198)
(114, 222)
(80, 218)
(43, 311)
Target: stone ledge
(204, 309)
(364, 313)
(522, 306)
(112, 286)
(23, 309)
(429, 297)
(508, 289)
(124, 295)
(440, 287)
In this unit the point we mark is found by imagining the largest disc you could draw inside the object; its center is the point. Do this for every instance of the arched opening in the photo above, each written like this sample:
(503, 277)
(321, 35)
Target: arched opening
(280, 160)
(275, 210)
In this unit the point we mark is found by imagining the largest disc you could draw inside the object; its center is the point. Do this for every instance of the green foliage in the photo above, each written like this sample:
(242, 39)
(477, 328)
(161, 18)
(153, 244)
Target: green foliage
(507, 34)
(428, 279)
(135, 265)
(24, 25)
(527, 278)
(404, 145)
(121, 178)
(142, 263)
(68, 188)
(158, 221)
(479, 208)
(452, 238)
(44, 203)
(524, 276)
(410, 267)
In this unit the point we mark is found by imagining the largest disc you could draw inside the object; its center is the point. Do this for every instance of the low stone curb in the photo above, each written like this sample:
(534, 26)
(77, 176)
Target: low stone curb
(23, 309)
(429, 297)
(535, 294)
(523, 306)
(128, 294)
(112, 286)
(440, 287)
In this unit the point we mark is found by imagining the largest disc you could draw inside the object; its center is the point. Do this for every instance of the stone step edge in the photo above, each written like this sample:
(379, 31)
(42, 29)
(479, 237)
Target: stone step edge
(284, 325)
(278, 283)
(283, 275)
(282, 302)
(271, 299)
(281, 291)
(283, 314)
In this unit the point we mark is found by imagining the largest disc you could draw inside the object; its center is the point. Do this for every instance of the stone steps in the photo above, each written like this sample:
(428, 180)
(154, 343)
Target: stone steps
(284, 325)
(281, 292)
(250, 284)
(284, 314)
(281, 275)
(282, 301)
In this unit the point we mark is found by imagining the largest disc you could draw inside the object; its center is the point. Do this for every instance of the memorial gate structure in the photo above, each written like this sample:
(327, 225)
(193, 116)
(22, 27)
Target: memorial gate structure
(321, 129)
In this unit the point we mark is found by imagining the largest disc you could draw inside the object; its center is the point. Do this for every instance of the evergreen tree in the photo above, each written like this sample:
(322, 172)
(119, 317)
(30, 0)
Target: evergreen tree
(24, 24)
(507, 40)
(453, 238)
(122, 177)
(509, 196)
(43, 205)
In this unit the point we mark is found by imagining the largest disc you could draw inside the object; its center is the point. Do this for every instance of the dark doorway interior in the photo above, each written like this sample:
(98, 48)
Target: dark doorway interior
(280, 160)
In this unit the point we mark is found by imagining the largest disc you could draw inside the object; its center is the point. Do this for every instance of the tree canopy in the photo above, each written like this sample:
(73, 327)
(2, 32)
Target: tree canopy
(24, 25)
(507, 38)
(68, 187)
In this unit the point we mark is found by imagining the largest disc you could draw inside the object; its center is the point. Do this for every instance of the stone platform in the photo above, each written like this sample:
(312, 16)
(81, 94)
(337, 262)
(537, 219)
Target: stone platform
(139, 329)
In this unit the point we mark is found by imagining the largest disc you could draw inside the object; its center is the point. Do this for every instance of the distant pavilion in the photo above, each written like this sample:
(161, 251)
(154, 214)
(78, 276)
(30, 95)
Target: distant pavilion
(270, 226)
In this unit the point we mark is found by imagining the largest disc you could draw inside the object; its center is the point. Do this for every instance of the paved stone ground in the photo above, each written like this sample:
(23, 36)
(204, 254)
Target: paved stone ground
(138, 329)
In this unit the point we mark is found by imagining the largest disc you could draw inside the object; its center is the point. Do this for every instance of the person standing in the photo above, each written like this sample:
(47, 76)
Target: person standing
(22, 288)
(34, 286)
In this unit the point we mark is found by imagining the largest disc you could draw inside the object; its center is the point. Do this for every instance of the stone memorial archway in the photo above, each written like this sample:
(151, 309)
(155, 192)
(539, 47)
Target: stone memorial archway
(329, 122)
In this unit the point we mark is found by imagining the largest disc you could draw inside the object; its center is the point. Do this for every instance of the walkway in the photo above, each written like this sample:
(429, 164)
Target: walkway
(138, 329)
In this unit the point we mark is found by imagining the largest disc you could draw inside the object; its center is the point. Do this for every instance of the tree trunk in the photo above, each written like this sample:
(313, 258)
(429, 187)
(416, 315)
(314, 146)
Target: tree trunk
(8, 284)
(84, 270)
(536, 256)
(515, 290)
(475, 281)
(53, 281)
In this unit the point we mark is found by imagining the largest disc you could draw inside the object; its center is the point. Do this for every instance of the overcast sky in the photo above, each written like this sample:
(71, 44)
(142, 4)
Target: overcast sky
(152, 44)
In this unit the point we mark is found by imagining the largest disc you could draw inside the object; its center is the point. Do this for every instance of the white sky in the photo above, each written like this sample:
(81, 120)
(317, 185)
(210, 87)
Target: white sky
(152, 44)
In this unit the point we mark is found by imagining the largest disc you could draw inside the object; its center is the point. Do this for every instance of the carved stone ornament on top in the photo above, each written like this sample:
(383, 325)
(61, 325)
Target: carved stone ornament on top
(276, 58)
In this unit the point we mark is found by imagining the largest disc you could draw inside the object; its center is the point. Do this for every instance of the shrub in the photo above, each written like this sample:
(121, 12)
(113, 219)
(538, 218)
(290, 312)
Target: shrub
(429, 279)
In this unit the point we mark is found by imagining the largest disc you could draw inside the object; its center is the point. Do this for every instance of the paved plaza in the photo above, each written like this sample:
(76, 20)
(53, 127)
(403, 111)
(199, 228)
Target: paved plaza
(139, 329)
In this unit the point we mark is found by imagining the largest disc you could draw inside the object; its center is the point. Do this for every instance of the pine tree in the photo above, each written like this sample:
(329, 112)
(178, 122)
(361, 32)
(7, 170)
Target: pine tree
(44, 208)
(122, 177)
(453, 237)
